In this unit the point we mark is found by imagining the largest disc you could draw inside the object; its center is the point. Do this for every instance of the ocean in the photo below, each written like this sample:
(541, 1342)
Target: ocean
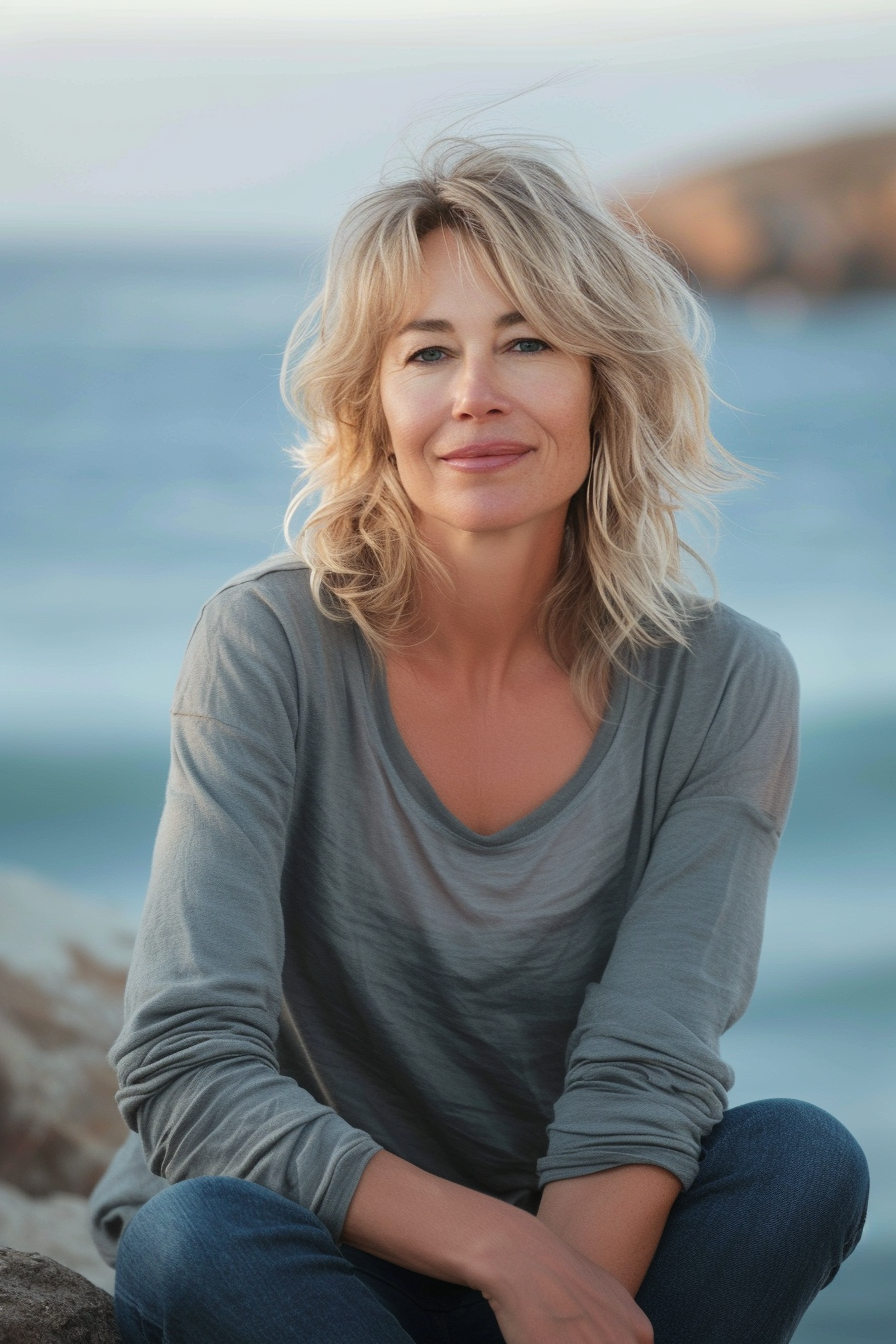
(144, 462)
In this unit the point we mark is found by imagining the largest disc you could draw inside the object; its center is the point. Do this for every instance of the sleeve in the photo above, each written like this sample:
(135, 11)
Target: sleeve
(196, 1059)
(645, 1082)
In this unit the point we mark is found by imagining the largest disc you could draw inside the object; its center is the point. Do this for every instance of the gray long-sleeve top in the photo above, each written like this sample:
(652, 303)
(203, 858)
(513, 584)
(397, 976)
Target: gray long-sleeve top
(329, 962)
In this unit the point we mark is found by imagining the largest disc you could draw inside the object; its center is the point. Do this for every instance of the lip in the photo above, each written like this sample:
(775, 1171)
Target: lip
(491, 456)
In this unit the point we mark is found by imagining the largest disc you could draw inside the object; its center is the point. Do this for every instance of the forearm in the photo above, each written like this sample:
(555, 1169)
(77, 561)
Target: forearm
(431, 1225)
(240, 1118)
(615, 1218)
(541, 1289)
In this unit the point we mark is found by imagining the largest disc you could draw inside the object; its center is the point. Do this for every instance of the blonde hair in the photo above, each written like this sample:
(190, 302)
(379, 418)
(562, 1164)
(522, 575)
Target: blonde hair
(593, 282)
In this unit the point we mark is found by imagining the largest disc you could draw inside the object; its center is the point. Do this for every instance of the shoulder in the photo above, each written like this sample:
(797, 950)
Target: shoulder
(271, 602)
(282, 582)
(718, 626)
(730, 696)
(261, 636)
(726, 652)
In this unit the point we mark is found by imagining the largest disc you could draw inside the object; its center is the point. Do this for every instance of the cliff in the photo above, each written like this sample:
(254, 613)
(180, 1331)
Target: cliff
(822, 218)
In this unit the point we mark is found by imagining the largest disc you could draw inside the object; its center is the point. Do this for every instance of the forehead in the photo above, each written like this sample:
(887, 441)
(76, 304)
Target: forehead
(453, 275)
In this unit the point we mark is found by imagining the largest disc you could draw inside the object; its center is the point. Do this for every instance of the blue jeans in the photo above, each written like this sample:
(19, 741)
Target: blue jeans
(778, 1204)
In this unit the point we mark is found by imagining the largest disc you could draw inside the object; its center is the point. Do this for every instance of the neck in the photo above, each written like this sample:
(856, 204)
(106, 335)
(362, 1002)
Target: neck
(487, 617)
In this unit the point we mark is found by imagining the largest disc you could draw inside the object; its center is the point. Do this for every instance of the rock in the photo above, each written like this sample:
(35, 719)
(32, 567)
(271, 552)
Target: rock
(42, 1302)
(821, 219)
(63, 962)
(54, 1225)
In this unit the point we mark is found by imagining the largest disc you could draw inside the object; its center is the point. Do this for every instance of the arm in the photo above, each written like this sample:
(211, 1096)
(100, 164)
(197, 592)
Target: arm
(614, 1218)
(645, 1081)
(197, 1063)
(542, 1290)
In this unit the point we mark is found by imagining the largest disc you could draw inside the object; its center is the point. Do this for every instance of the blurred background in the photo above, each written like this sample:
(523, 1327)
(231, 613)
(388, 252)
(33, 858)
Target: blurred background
(168, 175)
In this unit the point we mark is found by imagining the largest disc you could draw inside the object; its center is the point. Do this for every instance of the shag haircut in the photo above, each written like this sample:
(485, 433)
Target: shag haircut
(592, 281)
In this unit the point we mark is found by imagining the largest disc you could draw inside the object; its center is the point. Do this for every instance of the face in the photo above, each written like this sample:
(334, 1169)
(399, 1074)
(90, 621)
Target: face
(490, 425)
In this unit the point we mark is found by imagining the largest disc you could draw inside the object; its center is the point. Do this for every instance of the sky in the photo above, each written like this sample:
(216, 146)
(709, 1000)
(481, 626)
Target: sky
(623, 16)
(220, 117)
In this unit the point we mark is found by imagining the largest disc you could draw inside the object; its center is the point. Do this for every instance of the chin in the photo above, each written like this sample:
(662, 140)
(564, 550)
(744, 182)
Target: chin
(486, 520)
(487, 508)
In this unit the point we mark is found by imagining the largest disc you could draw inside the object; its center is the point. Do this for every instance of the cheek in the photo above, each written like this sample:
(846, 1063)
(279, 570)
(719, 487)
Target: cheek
(407, 430)
(585, 413)
(568, 419)
(409, 421)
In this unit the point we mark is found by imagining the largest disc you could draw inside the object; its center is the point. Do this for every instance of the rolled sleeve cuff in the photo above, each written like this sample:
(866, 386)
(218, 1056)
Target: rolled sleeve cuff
(641, 1088)
(339, 1182)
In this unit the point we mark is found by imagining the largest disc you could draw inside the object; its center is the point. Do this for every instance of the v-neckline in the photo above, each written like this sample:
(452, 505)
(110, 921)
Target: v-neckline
(418, 785)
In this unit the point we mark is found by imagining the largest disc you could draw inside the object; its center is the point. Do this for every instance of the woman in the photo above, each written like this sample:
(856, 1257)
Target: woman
(467, 836)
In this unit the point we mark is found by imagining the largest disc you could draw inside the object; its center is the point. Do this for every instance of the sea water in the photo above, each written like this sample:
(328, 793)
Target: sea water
(144, 461)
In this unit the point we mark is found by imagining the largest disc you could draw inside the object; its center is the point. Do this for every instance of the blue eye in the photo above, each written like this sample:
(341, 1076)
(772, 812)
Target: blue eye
(530, 345)
(431, 355)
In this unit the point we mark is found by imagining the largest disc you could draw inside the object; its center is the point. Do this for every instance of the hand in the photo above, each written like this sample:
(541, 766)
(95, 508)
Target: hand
(542, 1290)
(547, 1293)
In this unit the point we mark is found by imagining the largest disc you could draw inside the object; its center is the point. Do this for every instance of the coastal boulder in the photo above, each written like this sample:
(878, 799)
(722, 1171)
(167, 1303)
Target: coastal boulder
(55, 1225)
(42, 1302)
(63, 962)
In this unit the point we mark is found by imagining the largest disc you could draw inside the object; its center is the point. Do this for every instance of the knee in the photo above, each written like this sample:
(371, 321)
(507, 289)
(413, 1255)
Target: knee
(812, 1160)
(171, 1237)
(815, 1147)
(184, 1238)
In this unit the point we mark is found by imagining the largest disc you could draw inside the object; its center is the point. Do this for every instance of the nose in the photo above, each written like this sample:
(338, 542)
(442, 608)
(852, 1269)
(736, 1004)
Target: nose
(477, 393)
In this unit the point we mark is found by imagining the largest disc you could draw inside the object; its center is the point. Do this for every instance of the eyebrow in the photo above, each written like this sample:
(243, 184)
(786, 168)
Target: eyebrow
(439, 324)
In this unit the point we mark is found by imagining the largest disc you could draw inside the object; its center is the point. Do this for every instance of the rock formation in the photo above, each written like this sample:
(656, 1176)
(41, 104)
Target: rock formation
(54, 1225)
(41, 1302)
(822, 219)
(63, 962)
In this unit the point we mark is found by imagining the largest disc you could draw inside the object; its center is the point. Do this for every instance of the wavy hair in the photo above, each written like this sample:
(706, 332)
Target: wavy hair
(593, 282)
